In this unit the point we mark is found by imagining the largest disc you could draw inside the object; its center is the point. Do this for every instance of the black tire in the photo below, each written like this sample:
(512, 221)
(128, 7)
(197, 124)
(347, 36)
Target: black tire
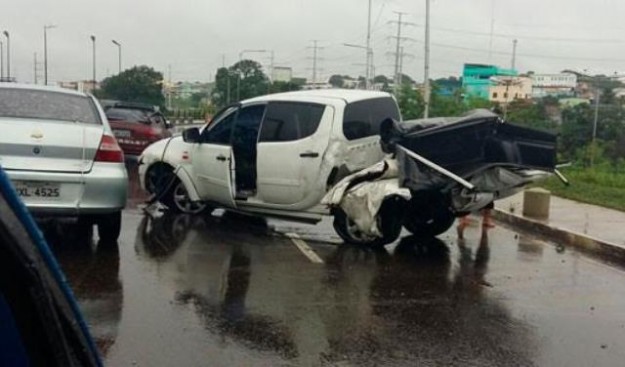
(428, 216)
(161, 181)
(177, 200)
(109, 227)
(389, 220)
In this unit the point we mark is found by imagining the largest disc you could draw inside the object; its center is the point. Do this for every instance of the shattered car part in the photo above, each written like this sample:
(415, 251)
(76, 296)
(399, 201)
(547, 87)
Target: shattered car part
(466, 162)
(361, 195)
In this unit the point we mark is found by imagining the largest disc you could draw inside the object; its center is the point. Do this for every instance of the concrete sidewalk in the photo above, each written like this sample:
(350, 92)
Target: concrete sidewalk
(587, 226)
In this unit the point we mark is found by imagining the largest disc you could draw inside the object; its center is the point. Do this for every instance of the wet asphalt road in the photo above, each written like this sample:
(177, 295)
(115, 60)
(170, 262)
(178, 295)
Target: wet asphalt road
(226, 290)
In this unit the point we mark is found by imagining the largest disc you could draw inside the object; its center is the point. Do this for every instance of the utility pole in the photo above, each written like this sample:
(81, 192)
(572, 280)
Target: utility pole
(271, 66)
(35, 68)
(45, 52)
(398, 46)
(315, 48)
(594, 127)
(492, 30)
(369, 56)
(401, 66)
(514, 43)
(426, 73)
(119, 55)
(1, 60)
(6, 33)
(93, 78)
(169, 87)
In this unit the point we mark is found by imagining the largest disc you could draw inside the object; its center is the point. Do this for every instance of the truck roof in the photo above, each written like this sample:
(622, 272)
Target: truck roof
(346, 95)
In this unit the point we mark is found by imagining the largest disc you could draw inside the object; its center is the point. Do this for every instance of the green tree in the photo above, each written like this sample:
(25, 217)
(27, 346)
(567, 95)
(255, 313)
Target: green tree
(277, 87)
(336, 81)
(410, 102)
(138, 84)
(243, 80)
(529, 113)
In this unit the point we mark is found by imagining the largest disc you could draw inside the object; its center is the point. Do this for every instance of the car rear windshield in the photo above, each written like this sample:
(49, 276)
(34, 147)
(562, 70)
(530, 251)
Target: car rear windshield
(363, 118)
(127, 114)
(47, 105)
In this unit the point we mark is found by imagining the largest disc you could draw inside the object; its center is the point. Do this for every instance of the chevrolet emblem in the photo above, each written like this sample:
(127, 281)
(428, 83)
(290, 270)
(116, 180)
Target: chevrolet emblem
(36, 134)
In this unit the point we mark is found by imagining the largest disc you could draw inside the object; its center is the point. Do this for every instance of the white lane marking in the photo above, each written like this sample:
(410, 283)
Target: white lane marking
(304, 248)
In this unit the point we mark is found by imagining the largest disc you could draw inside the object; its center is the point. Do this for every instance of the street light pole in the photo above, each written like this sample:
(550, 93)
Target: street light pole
(93, 46)
(6, 34)
(369, 52)
(426, 73)
(368, 62)
(594, 127)
(1, 60)
(45, 52)
(119, 53)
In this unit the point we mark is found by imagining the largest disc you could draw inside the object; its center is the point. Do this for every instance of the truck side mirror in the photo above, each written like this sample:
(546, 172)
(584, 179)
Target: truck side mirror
(191, 135)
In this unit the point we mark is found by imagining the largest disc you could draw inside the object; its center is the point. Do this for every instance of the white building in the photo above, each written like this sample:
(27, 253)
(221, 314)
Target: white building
(562, 84)
(508, 89)
(281, 74)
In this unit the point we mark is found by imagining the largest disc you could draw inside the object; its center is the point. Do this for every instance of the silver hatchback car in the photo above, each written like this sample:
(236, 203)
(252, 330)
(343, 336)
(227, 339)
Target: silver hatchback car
(59, 151)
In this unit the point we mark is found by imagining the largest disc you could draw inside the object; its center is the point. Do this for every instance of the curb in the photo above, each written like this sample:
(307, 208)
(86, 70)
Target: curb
(580, 241)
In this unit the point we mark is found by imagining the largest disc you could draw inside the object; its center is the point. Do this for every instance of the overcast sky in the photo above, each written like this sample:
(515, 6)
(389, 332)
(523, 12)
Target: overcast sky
(194, 36)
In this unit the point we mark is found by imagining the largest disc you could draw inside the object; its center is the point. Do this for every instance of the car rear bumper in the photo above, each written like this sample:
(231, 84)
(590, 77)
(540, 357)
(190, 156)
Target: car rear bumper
(102, 190)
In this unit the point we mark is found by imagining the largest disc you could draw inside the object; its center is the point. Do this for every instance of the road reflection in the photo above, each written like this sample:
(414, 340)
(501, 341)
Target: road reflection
(424, 301)
(218, 266)
(92, 271)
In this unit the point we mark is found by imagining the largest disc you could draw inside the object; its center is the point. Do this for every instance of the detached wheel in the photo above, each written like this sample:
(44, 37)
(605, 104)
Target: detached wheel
(109, 227)
(428, 216)
(389, 219)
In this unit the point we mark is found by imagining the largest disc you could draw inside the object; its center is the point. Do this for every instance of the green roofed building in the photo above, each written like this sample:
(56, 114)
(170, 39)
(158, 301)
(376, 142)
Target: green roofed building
(477, 78)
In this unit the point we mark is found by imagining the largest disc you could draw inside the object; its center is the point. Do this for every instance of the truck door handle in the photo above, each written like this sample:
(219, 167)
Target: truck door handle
(221, 158)
(309, 155)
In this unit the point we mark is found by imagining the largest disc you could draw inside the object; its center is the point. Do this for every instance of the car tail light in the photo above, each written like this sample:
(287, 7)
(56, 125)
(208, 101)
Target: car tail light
(109, 150)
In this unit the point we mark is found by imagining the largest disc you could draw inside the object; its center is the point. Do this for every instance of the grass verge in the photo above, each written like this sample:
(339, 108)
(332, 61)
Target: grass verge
(593, 187)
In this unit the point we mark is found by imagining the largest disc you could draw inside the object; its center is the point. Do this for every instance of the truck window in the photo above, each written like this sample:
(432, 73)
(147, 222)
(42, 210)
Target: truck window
(219, 132)
(363, 118)
(288, 121)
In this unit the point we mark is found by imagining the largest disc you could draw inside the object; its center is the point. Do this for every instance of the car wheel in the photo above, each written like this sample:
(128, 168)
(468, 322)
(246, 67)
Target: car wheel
(177, 199)
(389, 221)
(109, 227)
(428, 217)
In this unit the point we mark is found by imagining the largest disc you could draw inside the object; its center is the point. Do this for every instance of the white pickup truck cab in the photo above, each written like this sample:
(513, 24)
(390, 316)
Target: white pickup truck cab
(275, 155)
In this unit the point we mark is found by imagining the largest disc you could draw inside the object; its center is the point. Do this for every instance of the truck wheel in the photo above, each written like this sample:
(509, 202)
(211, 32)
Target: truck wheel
(177, 200)
(428, 220)
(161, 181)
(389, 222)
(109, 227)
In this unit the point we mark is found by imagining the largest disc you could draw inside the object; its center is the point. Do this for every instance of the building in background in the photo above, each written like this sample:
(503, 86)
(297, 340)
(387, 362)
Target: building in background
(556, 85)
(477, 79)
(185, 90)
(506, 89)
(85, 86)
(281, 74)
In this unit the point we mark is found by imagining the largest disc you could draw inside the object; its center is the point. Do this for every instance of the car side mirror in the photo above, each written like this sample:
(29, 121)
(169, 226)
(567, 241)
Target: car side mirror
(191, 135)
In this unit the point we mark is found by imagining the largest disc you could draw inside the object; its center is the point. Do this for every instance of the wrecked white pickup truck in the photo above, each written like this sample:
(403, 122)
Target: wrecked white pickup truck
(438, 169)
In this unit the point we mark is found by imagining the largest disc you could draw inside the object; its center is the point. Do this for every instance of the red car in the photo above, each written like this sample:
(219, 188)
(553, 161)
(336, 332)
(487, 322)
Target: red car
(136, 126)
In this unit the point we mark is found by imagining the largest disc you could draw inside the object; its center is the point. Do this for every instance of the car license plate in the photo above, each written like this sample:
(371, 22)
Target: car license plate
(122, 133)
(31, 189)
